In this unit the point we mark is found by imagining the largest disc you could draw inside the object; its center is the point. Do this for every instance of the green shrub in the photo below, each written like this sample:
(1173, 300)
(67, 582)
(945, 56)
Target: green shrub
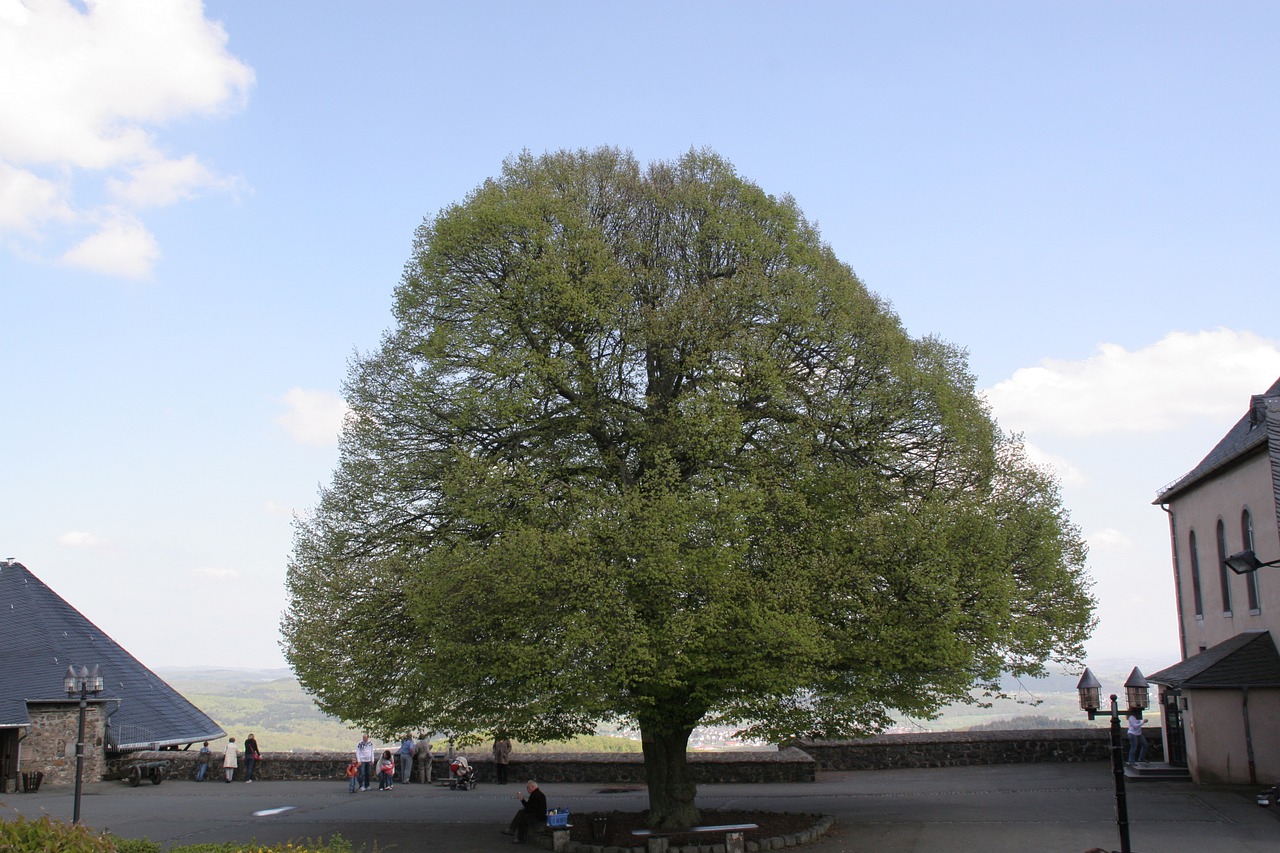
(19, 835)
(135, 845)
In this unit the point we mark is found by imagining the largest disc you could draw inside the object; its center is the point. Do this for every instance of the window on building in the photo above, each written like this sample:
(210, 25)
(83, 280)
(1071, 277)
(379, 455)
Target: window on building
(1224, 574)
(1195, 578)
(1251, 579)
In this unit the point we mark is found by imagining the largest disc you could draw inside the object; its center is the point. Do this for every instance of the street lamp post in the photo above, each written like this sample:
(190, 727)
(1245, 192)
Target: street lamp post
(1135, 688)
(87, 683)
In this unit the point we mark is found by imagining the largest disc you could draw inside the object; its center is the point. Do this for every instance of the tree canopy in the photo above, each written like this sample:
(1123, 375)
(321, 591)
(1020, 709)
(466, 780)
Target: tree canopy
(639, 446)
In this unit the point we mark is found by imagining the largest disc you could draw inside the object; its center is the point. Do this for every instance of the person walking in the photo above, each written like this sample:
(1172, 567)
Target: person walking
(353, 776)
(423, 753)
(364, 756)
(1137, 740)
(406, 758)
(202, 761)
(501, 756)
(230, 759)
(251, 756)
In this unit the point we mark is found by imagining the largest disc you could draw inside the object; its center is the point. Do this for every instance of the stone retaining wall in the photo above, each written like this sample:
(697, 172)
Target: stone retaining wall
(960, 749)
(797, 761)
(783, 765)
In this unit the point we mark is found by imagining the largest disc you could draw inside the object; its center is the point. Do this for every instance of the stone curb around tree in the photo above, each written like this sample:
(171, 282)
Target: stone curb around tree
(814, 833)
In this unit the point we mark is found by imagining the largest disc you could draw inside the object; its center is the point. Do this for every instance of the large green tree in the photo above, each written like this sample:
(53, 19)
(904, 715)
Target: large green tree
(640, 447)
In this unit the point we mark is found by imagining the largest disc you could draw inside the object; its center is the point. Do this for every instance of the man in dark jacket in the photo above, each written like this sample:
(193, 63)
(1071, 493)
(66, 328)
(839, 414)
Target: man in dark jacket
(532, 814)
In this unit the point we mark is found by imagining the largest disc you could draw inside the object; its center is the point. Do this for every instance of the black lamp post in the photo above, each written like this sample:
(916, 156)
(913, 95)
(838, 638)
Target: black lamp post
(1135, 689)
(87, 683)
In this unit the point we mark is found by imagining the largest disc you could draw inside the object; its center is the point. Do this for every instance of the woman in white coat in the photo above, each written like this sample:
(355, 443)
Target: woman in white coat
(230, 759)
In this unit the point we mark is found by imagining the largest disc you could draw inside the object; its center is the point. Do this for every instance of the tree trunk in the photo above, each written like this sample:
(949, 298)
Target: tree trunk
(666, 769)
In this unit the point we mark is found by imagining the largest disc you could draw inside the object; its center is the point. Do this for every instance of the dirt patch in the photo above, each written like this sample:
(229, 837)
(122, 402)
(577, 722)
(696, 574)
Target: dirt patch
(620, 825)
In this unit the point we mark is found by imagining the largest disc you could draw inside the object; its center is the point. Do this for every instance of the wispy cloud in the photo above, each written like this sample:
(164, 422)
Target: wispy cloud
(313, 418)
(1181, 378)
(275, 508)
(216, 573)
(99, 80)
(1066, 471)
(1109, 538)
(82, 540)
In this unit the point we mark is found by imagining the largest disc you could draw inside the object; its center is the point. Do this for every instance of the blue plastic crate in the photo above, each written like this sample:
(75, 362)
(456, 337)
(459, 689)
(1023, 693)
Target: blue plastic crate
(557, 818)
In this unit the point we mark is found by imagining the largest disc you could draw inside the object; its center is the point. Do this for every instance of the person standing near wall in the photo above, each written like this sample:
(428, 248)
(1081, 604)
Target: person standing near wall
(251, 756)
(202, 761)
(423, 754)
(386, 771)
(230, 759)
(501, 756)
(406, 758)
(364, 755)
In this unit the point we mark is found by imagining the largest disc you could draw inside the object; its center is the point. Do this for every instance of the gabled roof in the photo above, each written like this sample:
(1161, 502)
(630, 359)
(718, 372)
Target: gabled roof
(1248, 659)
(1259, 428)
(41, 634)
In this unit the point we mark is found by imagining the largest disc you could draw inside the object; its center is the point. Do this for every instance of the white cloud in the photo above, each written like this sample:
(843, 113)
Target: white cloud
(1162, 387)
(277, 509)
(164, 182)
(1065, 471)
(215, 573)
(82, 540)
(121, 246)
(28, 201)
(314, 417)
(99, 80)
(1109, 538)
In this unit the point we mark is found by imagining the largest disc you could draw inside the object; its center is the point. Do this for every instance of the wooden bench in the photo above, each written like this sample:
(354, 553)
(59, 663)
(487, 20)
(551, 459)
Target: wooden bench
(658, 840)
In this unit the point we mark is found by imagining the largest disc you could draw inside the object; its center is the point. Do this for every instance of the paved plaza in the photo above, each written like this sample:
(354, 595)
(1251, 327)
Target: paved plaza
(1038, 807)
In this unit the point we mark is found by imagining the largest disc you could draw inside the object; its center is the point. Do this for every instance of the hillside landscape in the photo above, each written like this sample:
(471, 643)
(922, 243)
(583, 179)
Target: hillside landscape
(272, 705)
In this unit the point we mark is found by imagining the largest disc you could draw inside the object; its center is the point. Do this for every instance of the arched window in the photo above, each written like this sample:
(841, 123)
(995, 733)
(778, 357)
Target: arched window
(1224, 574)
(1195, 578)
(1251, 579)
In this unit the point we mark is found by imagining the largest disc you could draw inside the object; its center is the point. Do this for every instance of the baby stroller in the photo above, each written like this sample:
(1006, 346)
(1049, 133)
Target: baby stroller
(462, 776)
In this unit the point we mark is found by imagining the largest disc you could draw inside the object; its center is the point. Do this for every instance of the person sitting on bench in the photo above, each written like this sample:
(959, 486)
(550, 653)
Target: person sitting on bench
(532, 814)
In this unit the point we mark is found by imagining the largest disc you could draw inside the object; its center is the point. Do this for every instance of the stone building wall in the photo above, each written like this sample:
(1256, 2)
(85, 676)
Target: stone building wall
(50, 744)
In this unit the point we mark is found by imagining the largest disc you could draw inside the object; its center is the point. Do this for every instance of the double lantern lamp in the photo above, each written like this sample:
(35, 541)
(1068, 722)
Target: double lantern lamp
(1136, 697)
(86, 683)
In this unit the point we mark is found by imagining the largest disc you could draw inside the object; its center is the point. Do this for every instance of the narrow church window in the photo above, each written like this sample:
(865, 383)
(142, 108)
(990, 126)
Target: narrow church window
(1251, 579)
(1195, 578)
(1224, 574)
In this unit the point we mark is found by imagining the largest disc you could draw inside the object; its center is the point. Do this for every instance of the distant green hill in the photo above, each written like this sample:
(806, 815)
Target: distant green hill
(271, 704)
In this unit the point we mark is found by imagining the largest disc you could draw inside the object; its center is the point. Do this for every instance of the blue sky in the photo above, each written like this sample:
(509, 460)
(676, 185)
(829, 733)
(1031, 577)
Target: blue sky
(204, 210)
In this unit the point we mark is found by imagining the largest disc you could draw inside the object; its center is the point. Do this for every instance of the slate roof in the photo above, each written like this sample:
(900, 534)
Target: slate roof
(41, 634)
(1249, 659)
(1259, 428)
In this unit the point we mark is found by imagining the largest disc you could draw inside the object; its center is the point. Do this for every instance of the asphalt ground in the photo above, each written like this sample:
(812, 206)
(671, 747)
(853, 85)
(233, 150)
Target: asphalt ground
(995, 809)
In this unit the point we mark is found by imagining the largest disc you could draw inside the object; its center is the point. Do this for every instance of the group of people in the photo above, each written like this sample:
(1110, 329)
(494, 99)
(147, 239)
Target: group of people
(230, 759)
(410, 754)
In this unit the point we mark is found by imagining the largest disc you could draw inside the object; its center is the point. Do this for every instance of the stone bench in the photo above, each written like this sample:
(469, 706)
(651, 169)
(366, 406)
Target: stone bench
(658, 840)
